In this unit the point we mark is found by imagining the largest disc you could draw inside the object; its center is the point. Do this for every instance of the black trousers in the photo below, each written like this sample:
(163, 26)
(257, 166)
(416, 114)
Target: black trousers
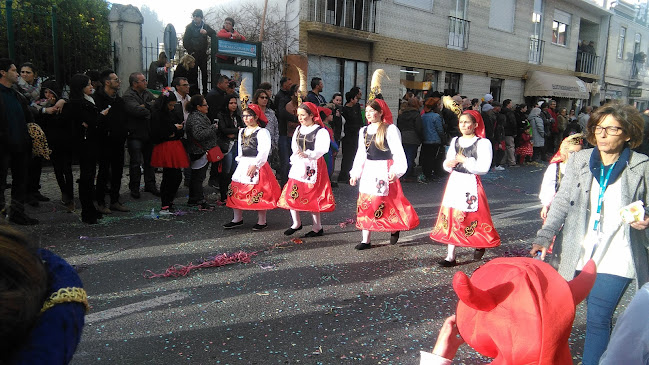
(34, 175)
(88, 170)
(431, 161)
(196, 184)
(171, 179)
(111, 169)
(350, 145)
(139, 153)
(201, 63)
(62, 163)
(17, 162)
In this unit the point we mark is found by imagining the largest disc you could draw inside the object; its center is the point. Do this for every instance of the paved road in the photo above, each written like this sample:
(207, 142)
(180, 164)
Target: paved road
(318, 302)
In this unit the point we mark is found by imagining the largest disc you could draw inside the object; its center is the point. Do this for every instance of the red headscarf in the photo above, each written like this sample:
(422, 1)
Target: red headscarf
(316, 117)
(262, 117)
(387, 114)
(519, 310)
(479, 130)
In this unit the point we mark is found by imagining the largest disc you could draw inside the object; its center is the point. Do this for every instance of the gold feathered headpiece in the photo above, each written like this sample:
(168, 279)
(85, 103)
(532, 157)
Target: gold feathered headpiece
(375, 85)
(302, 91)
(244, 96)
(452, 105)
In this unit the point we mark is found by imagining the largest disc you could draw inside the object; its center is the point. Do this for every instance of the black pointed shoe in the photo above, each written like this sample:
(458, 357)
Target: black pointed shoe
(314, 233)
(478, 253)
(363, 246)
(230, 225)
(259, 227)
(290, 231)
(394, 237)
(445, 263)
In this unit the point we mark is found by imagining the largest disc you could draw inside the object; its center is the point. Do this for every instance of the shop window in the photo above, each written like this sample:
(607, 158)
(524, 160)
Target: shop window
(495, 89)
(452, 83)
(418, 81)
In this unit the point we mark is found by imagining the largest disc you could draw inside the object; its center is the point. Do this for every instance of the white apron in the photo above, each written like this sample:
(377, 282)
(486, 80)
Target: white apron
(374, 180)
(304, 170)
(241, 173)
(461, 192)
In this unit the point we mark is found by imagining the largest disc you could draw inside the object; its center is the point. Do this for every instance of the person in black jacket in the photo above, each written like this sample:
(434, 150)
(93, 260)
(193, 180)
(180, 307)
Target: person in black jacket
(195, 42)
(167, 126)
(83, 113)
(498, 141)
(510, 132)
(353, 123)
(284, 118)
(15, 143)
(228, 129)
(112, 135)
(159, 73)
(187, 68)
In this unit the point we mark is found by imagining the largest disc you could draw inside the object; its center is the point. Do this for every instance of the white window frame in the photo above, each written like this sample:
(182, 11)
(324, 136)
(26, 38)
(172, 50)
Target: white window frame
(561, 18)
(620, 43)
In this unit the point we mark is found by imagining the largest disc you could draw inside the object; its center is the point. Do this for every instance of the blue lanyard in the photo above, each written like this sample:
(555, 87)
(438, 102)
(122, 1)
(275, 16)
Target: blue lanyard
(603, 184)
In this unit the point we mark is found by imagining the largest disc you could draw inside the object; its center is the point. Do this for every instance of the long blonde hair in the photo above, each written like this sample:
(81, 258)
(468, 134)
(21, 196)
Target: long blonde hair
(186, 60)
(382, 130)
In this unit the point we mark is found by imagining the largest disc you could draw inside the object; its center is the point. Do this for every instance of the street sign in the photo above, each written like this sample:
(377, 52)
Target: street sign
(170, 41)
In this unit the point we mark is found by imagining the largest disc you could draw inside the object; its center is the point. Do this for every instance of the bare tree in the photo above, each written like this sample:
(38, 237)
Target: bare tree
(278, 33)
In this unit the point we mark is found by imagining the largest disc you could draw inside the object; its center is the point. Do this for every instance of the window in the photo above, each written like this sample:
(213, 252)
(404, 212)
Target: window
(501, 15)
(560, 26)
(452, 83)
(426, 5)
(537, 19)
(495, 88)
(620, 43)
(417, 80)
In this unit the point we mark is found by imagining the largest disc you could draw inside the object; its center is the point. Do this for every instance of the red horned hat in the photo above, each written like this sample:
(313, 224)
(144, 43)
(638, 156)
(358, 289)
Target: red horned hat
(479, 130)
(519, 310)
(262, 117)
(315, 111)
(387, 113)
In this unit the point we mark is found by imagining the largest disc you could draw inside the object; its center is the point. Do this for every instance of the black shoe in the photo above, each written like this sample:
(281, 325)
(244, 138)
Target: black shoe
(205, 206)
(153, 190)
(22, 219)
(290, 231)
(363, 246)
(135, 194)
(259, 227)
(334, 184)
(38, 196)
(230, 225)
(89, 220)
(478, 253)
(314, 233)
(445, 263)
(394, 237)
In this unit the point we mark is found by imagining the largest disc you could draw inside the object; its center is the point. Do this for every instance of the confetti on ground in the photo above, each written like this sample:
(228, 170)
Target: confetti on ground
(347, 222)
(216, 261)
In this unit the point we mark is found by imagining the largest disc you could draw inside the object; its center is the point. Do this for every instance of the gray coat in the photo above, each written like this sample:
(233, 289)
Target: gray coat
(573, 200)
(200, 130)
(538, 130)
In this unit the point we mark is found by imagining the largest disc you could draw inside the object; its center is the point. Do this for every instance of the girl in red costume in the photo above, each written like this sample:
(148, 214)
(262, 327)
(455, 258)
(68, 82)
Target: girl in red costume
(308, 188)
(379, 163)
(464, 218)
(253, 186)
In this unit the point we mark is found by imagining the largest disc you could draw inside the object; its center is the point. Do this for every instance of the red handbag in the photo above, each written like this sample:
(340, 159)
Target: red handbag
(214, 154)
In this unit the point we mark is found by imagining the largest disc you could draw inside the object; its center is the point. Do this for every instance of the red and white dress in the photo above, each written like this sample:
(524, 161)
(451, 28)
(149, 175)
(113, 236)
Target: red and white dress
(262, 191)
(381, 206)
(464, 218)
(308, 188)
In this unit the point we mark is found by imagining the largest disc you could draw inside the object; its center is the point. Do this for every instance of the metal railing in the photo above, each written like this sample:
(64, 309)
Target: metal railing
(354, 14)
(587, 63)
(537, 47)
(458, 32)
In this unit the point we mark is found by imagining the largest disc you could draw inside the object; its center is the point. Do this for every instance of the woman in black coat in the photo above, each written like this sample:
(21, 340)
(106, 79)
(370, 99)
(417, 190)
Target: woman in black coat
(83, 114)
(229, 124)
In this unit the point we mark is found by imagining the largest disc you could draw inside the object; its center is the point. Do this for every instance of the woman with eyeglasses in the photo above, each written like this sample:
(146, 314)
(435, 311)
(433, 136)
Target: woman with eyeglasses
(254, 186)
(308, 188)
(201, 137)
(585, 217)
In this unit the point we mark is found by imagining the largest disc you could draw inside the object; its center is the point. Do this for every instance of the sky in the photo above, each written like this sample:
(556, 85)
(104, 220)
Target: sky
(169, 11)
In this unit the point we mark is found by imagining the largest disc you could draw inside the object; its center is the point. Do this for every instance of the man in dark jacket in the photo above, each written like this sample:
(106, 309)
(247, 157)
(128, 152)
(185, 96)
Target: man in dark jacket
(15, 143)
(216, 101)
(510, 132)
(138, 101)
(282, 98)
(498, 136)
(112, 135)
(159, 73)
(195, 42)
(314, 95)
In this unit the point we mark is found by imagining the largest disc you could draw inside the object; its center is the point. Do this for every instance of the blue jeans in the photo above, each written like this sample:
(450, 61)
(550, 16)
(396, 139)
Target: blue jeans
(601, 303)
(411, 153)
(139, 153)
(284, 156)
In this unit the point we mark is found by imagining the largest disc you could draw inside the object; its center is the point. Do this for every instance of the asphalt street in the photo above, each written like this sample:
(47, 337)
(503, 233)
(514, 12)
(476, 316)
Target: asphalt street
(310, 301)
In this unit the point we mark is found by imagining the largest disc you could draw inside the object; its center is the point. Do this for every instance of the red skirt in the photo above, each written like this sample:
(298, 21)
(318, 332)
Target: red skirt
(467, 229)
(170, 154)
(386, 213)
(262, 196)
(525, 149)
(300, 196)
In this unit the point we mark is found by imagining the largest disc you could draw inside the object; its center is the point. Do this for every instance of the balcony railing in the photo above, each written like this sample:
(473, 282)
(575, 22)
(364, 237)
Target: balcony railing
(587, 63)
(458, 32)
(537, 47)
(354, 14)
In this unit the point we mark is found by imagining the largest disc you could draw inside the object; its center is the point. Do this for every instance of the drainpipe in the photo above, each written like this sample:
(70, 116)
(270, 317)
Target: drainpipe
(610, 17)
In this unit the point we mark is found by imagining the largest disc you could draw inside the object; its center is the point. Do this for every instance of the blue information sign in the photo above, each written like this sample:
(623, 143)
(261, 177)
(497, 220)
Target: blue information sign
(237, 49)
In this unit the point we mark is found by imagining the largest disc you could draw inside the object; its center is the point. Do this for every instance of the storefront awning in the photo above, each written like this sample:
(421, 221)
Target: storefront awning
(540, 83)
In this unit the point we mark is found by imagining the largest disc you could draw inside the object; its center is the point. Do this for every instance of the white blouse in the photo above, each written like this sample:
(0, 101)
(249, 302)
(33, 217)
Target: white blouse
(547, 192)
(263, 145)
(393, 138)
(479, 165)
(322, 142)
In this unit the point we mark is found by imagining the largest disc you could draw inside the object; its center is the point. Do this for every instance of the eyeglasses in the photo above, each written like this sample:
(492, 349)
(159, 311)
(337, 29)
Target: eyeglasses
(263, 97)
(610, 131)
(116, 80)
(246, 116)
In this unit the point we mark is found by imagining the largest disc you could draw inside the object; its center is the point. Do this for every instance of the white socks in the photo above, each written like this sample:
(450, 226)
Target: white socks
(238, 215)
(450, 256)
(295, 215)
(366, 236)
(261, 217)
(317, 226)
